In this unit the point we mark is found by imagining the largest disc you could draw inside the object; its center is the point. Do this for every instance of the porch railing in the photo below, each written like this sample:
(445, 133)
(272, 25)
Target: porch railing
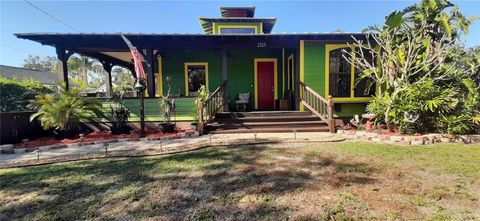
(318, 105)
(211, 106)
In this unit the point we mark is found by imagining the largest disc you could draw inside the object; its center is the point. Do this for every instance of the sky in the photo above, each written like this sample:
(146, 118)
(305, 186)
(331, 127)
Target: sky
(181, 17)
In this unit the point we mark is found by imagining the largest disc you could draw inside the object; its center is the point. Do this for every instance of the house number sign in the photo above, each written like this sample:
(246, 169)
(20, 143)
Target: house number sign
(261, 44)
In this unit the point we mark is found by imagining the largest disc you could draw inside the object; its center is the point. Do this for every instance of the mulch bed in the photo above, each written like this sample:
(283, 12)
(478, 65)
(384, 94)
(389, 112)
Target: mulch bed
(92, 137)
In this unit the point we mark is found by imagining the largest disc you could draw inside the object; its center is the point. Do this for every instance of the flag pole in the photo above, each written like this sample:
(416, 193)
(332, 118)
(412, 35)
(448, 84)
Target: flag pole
(139, 83)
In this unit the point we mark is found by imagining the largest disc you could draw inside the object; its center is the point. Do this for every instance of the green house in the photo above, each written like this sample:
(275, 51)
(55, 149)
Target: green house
(280, 71)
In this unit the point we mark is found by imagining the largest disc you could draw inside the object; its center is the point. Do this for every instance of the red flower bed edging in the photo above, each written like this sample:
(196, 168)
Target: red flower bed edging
(89, 139)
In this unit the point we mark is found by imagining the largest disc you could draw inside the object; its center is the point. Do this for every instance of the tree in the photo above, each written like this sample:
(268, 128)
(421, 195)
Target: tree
(122, 79)
(425, 79)
(44, 64)
(442, 19)
(86, 72)
(396, 58)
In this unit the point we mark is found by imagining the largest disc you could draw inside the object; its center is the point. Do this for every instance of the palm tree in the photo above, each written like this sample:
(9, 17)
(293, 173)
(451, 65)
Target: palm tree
(81, 66)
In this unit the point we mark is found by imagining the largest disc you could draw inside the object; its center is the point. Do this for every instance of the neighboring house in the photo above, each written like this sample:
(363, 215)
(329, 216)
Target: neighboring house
(288, 70)
(48, 79)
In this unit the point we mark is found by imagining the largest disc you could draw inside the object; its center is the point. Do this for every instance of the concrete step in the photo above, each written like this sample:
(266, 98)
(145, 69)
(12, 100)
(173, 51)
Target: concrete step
(269, 119)
(229, 115)
(290, 124)
(268, 130)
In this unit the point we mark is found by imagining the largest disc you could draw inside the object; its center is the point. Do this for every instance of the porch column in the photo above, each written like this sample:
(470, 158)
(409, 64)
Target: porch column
(296, 79)
(108, 68)
(225, 78)
(151, 73)
(62, 66)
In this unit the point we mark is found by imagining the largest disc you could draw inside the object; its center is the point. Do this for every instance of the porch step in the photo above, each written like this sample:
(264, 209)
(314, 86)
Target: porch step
(269, 130)
(266, 122)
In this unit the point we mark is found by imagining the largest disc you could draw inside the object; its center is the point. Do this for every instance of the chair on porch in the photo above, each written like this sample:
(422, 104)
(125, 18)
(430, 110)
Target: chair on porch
(243, 101)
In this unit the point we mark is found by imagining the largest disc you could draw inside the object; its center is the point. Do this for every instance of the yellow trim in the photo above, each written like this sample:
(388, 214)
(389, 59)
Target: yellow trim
(288, 69)
(275, 78)
(261, 28)
(352, 98)
(214, 31)
(186, 64)
(220, 26)
(159, 77)
(302, 67)
(283, 71)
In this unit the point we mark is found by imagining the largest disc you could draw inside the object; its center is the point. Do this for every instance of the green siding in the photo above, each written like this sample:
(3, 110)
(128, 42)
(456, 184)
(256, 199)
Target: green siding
(314, 67)
(349, 110)
(240, 70)
(174, 66)
(184, 109)
(314, 76)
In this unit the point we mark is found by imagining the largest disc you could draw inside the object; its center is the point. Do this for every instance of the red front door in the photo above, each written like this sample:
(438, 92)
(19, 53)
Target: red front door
(265, 84)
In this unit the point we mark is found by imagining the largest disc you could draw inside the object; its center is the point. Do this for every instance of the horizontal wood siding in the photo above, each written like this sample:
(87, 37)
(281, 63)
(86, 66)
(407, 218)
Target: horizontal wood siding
(315, 66)
(173, 66)
(184, 109)
(241, 72)
(314, 76)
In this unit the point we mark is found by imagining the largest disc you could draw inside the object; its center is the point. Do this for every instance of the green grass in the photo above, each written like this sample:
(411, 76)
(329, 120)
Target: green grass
(322, 181)
(450, 158)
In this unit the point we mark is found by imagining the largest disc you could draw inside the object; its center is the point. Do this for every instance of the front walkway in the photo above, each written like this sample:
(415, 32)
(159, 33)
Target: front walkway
(172, 145)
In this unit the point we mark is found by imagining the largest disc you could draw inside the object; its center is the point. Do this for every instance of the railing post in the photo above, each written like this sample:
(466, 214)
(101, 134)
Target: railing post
(201, 121)
(331, 121)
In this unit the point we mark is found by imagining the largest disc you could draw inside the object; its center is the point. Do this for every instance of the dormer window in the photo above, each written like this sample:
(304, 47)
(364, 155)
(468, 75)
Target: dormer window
(237, 31)
(237, 20)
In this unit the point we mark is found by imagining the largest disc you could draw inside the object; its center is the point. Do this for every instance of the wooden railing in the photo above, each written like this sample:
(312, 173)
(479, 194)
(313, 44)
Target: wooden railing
(211, 106)
(318, 105)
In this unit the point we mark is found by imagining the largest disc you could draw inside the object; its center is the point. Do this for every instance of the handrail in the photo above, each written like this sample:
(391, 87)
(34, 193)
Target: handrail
(318, 105)
(210, 107)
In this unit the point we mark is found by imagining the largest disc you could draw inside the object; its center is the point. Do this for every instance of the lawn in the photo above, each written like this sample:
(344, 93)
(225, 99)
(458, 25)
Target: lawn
(325, 181)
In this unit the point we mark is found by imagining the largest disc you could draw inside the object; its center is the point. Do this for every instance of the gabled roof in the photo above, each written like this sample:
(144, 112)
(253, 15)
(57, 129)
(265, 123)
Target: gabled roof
(10, 72)
(238, 11)
(267, 23)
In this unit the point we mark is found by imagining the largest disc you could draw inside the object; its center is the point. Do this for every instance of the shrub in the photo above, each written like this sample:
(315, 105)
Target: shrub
(16, 94)
(65, 111)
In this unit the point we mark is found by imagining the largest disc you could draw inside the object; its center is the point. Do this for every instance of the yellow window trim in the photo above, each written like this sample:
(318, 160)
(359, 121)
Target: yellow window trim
(288, 69)
(186, 64)
(352, 98)
(160, 77)
(302, 68)
(220, 26)
(275, 86)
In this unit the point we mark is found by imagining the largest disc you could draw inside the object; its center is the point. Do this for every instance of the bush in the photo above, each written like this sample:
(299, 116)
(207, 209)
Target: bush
(16, 94)
(65, 112)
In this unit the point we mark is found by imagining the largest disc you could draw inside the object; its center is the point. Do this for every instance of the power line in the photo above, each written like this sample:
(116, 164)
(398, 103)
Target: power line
(51, 16)
(16, 49)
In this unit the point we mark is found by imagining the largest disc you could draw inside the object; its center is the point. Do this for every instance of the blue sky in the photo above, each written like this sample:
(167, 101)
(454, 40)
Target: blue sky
(181, 17)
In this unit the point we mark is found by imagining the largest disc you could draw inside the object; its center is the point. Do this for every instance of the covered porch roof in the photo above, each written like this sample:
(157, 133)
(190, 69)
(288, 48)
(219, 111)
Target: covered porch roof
(111, 47)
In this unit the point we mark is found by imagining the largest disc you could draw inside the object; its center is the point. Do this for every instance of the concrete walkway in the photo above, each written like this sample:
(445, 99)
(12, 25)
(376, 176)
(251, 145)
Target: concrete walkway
(217, 139)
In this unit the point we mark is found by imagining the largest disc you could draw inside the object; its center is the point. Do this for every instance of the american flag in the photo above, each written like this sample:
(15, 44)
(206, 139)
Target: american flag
(137, 58)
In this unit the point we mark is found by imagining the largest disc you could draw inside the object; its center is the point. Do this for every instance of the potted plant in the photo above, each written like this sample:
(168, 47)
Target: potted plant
(167, 108)
(118, 114)
(201, 96)
(65, 112)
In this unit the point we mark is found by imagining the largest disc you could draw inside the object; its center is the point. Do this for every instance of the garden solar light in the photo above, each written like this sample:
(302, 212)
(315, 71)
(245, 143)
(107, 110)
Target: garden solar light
(105, 145)
(37, 152)
(295, 133)
(255, 134)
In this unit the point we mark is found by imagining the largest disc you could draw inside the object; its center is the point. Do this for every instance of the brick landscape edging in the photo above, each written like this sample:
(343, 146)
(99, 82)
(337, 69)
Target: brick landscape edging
(8, 148)
(407, 139)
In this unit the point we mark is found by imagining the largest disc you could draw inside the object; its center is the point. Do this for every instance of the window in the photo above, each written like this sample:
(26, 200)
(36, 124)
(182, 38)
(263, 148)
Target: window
(344, 83)
(340, 74)
(237, 30)
(196, 75)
